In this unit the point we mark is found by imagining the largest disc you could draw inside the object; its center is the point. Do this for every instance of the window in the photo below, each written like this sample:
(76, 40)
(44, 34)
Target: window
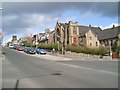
(96, 43)
(81, 39)
(90, 38)
(74, 30)
(90, 44)
(106, 43)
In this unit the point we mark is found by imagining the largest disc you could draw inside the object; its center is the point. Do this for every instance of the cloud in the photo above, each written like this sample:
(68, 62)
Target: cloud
(25, 23)
(9, 40)
(105, 8)
(109, 26)
(24, 17)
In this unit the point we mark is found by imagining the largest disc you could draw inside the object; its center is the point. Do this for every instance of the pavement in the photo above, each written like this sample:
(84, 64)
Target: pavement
(35, 72)
(68, 57)
(71, 57)
(75, 57)
(53, 57)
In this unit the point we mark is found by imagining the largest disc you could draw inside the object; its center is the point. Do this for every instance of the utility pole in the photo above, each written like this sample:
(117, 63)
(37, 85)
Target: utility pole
(58, 46)
(36, 41)
(110, 49)
(58, 41)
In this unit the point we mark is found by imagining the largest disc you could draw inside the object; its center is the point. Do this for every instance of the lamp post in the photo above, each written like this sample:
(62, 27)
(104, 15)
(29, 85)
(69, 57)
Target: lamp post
(110, 49)
(36, 41)
(58, 46)
(58, 41)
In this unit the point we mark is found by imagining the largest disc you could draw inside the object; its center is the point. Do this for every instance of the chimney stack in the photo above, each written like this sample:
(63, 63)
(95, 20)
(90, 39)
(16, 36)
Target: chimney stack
(90, 26)
(113, 26)
(70, 22)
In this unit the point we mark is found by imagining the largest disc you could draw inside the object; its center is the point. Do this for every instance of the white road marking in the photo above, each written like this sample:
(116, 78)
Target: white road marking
(92, 69)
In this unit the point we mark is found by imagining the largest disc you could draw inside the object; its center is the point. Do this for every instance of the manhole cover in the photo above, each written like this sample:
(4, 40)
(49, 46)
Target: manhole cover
(56, 74)
(3, 53)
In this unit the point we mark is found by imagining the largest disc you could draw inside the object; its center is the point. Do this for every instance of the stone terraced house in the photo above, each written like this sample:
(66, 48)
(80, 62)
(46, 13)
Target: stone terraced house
(74, 34)
(110, 36)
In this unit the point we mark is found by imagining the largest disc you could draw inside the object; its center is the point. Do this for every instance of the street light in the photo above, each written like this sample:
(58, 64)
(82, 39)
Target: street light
(58, 41)
(110, 49)
(36, 41)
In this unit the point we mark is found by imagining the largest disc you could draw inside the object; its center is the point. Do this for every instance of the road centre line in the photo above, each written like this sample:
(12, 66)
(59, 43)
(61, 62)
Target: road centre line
(102, 71)
(81, 67)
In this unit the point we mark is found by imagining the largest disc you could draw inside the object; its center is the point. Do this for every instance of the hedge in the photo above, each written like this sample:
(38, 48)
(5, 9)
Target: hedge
(86, 50)
(72, 48)
(28, 44)
(48, 46)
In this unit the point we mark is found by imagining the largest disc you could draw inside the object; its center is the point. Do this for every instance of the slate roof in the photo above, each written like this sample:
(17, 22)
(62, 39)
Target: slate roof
(52, 31)
(42, 34)
(101, 34)
(64, 25)
(109, 33)
(84, 29)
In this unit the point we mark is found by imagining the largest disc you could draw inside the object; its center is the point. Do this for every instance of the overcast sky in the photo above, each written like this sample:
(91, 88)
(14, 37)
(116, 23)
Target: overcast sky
(32, 17)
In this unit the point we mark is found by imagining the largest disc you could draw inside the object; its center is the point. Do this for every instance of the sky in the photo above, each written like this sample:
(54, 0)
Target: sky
(24, 18)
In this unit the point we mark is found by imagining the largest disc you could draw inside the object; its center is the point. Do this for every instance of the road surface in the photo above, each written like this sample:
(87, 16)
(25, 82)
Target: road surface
(27, 71)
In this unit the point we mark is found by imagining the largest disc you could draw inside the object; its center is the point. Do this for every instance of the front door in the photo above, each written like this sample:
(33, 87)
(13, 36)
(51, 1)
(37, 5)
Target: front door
(75, 40)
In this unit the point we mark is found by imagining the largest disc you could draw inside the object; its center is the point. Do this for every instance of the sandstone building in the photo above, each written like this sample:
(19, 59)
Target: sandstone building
(87, 36)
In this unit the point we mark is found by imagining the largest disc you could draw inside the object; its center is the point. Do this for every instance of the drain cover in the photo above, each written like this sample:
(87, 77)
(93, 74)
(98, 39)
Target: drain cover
(56, 74)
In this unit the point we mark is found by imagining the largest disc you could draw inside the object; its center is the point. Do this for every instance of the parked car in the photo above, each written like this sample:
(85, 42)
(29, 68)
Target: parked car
(20, 48)
(15, 47)
(11, 46)
(31, 51)
(26, 49)
(41, 51)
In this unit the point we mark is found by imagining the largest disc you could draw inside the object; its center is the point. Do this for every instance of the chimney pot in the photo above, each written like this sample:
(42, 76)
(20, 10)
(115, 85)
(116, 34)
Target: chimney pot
(70, 21)
(89, 25)
(113, 26)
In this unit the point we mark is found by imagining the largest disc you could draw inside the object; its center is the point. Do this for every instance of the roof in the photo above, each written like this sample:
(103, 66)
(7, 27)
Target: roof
(84, 29)
(52, 31)
(101, 34)
(41, 33)
(64, 25)
(43, 40)
(109, 33)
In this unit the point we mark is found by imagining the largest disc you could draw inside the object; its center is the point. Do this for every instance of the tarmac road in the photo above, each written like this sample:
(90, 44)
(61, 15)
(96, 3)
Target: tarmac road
(26, 71)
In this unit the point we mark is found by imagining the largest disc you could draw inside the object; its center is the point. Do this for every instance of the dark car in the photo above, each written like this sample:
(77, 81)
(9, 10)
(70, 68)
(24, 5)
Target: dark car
(26, 49)
(15, 47)
(31, 51)
(41, 51)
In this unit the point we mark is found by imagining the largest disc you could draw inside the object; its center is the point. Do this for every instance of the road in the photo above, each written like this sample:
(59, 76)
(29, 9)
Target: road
(27, 71)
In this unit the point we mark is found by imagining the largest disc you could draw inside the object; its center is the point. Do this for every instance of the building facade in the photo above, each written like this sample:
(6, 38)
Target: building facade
(110, 37)
(74, 34)
(86, 36)
(51, 38)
